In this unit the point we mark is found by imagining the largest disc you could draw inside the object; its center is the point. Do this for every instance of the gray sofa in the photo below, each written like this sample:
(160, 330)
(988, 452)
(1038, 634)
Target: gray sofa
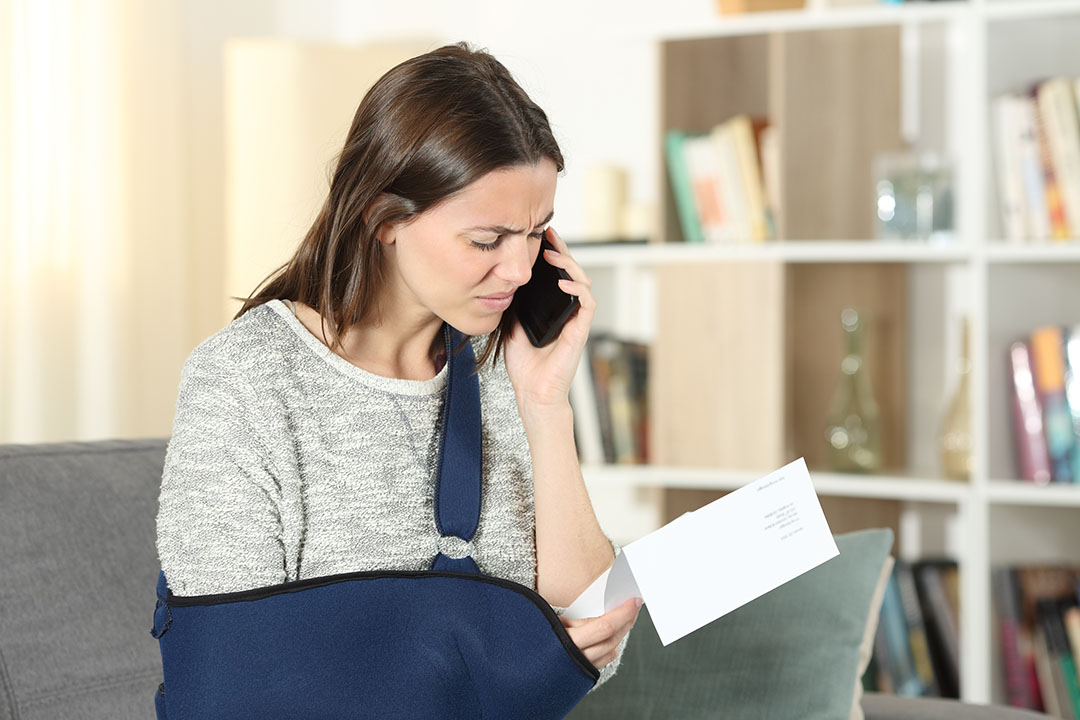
(77, 578)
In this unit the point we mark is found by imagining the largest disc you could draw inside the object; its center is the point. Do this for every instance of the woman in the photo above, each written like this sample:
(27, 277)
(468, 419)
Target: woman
(307, 431)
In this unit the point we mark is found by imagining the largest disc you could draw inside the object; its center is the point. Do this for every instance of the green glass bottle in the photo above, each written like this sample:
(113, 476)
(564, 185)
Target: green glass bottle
(852, 431)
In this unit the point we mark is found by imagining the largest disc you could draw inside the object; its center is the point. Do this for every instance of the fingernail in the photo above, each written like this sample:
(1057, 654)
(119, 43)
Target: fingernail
(638, 602)
(552, 252)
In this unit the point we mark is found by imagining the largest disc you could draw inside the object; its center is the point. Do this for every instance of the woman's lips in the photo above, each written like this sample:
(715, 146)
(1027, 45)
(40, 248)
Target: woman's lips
(498, 302)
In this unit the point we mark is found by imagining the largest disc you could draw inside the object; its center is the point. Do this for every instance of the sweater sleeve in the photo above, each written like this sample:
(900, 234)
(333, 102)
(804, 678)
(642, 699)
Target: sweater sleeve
(218, 522)
(612, 667)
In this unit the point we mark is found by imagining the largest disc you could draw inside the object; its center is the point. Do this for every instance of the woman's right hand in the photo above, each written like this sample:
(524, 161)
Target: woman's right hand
(599, 637)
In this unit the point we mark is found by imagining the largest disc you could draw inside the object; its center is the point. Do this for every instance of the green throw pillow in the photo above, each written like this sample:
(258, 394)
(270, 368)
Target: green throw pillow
(792, 653)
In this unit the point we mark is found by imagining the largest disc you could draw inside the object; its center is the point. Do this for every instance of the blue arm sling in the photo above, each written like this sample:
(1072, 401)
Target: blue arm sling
(449, 642)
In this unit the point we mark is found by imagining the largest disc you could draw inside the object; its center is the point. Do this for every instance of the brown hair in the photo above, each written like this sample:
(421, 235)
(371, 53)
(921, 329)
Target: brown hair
(426, 129)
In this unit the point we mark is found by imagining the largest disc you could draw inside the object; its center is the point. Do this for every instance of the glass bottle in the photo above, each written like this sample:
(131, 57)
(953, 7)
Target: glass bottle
(852, 431)
(956, 424)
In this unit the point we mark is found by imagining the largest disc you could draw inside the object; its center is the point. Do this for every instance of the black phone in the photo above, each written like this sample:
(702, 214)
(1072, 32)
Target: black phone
(541, 306)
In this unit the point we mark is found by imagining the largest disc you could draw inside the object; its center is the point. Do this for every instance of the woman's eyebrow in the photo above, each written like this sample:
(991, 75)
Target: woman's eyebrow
(503, 230)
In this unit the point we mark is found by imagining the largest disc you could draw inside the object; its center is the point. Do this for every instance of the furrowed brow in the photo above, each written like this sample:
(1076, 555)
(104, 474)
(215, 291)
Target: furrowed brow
(503, 230)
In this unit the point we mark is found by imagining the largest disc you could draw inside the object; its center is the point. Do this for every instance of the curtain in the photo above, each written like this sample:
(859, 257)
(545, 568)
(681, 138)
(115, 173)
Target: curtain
(93, 247)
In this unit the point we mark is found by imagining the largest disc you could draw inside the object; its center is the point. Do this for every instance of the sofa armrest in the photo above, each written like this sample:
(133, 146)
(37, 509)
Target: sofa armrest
(881, 706)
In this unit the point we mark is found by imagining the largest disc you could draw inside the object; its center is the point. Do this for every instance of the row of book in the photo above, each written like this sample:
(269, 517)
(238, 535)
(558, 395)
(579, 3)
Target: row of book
(609, 398)
(724, 181)
(916, 646)
(1037, 145)
(1039, 623)
(1044, 374)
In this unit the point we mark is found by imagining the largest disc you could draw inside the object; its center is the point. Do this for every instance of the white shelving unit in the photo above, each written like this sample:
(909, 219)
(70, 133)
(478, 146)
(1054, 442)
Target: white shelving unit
(989, 47)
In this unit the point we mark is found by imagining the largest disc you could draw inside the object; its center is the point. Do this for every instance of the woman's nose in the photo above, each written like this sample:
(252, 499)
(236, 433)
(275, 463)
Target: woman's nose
(516, 263)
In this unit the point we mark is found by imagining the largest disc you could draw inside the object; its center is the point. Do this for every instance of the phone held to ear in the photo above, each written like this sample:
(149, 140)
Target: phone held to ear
(541, 306)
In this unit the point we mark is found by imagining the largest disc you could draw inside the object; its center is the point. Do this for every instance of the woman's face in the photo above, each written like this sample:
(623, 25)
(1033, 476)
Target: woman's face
(461, 259)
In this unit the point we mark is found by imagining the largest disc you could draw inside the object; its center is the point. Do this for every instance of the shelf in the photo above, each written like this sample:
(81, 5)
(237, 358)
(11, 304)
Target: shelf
(710, 25)
(860, 251)
(1030, 253)
(1030, 9)
(1017, 492)
(827, 484)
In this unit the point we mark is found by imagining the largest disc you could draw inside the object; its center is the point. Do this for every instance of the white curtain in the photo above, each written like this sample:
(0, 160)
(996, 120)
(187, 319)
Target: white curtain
(93, 251)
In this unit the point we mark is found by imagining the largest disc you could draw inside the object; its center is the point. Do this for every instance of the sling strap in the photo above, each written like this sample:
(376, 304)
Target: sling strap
(459, 480)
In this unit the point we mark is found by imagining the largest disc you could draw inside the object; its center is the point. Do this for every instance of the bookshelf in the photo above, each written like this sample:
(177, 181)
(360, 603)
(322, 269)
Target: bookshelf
(745, 348)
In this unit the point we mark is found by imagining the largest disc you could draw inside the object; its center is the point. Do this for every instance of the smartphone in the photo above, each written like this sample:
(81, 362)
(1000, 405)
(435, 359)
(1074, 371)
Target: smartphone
(541, 306)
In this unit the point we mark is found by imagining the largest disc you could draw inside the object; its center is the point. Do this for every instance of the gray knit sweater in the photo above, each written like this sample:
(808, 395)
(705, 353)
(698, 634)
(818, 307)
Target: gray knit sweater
(288, 462)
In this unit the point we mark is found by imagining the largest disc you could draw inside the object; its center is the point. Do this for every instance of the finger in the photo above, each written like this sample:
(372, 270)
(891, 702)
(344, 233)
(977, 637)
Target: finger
(581, 291)
(593, 631)
(569, 264)
(556, 239)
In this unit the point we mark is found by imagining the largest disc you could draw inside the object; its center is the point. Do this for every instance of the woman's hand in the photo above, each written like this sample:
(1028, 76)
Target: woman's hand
(541, 376)
(599, 637)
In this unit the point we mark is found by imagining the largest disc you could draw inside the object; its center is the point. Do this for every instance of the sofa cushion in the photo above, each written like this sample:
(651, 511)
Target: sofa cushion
(78, 573)
(792, 653)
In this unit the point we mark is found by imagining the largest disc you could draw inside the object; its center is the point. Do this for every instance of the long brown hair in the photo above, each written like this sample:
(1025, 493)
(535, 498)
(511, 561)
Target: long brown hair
(426, 129)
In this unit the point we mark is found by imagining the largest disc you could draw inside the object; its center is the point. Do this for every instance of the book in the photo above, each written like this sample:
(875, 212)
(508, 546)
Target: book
(681, 186)
(1072, 388)
(1044, 668)
(587, 432)
(1017, 660)
(1021, 193)
(746, 137)
(918, 642)
(1032, 455)
(1071, 621)
(733, 193)
(1048, 354)
(1035, 583)
(1059, 229)
(1036, 206)
(1050, 612)
(941, 623)
(1058, 109)
(896, 645)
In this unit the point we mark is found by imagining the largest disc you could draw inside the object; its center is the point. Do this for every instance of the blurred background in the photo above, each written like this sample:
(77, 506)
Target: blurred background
(840, 230)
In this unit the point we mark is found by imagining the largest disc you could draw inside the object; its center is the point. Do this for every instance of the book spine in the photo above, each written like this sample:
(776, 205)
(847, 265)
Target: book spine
(1010, 182)
(1071, 621)
(601, 372)
(750, 173)
(1059, 228)
(1044, 666)
(731, 181)
(905, 679)
(1032, 454)
(1058, 106)
(681, 189)
(917, 640)
(586, 414)
(941, 626)
(1006, 593)
(1072, 389)
(1048, 612)
(1036, 207)
(1048, 353)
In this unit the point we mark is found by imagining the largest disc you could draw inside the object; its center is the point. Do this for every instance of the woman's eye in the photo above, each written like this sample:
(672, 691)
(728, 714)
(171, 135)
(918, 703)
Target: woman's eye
(538, 236)
(485, 246)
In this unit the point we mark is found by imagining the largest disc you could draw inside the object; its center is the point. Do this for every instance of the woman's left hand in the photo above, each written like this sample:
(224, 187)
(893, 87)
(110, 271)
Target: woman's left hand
(542, 376)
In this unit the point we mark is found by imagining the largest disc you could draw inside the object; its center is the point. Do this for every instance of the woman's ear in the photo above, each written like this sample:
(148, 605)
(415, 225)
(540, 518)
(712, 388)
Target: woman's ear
(386, 233)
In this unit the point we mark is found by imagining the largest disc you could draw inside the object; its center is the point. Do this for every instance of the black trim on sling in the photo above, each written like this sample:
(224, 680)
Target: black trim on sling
(297, 585)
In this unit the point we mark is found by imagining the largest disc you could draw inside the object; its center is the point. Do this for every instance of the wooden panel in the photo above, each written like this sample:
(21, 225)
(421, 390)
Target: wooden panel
(703, 83)
(716, 383)
(838, 105)
(817, 294)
